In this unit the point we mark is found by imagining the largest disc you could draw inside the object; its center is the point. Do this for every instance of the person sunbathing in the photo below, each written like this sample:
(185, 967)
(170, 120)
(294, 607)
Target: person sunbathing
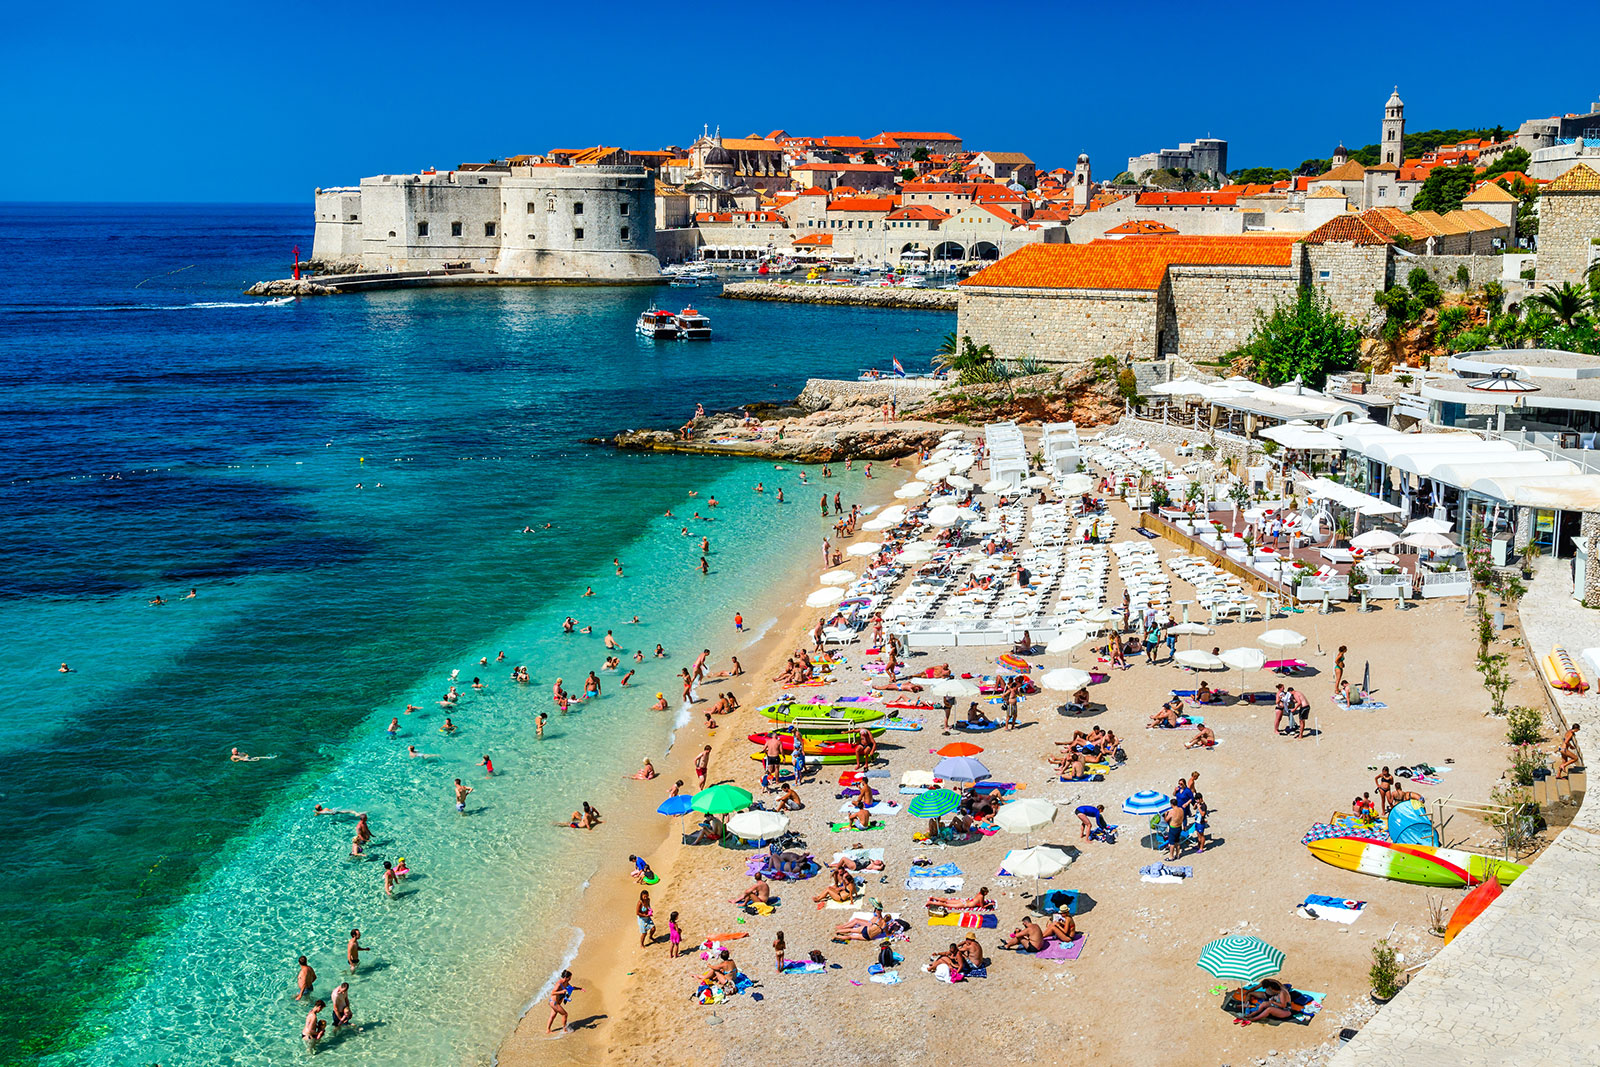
(865, 791)
(1062, 928)
(1028, 937)
(1080, 700)
(1205, 738)
(1071, 765)
(710, 830)
(843, 888)
(859, 819)
(971, 952)
(898, 687)
(1166, 718)
(863, 929)
(938, 670)
(1277, 1003)
(976, 717)
(1023, 647)
(759, 892)
(977, 902)
(1206, 695)
(723, 973)
(790, 801)
(953, 958)
(850, 863)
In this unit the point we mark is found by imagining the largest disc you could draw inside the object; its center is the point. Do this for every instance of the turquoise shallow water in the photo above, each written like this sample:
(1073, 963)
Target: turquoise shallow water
(157, 893)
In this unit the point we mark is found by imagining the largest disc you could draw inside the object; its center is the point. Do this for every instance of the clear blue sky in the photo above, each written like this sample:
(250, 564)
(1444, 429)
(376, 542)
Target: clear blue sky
(250, 102)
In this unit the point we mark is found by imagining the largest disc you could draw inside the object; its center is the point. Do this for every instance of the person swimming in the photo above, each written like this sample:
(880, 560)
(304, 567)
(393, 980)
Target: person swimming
(411, 750)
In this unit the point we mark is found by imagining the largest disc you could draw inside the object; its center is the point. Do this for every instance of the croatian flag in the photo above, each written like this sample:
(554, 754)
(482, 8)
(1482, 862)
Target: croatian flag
(898, 369)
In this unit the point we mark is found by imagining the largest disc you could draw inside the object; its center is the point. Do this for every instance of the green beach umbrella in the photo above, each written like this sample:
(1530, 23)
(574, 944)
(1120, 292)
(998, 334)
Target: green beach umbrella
(934, 804)
(721, 799)
(1240, 958)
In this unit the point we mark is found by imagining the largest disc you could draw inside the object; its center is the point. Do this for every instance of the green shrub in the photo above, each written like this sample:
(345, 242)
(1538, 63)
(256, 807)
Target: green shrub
(1385, 973)
(1524, 726)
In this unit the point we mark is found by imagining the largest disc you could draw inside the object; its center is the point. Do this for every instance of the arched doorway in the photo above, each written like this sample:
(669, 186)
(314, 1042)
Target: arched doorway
(950, 250)
(985, 250)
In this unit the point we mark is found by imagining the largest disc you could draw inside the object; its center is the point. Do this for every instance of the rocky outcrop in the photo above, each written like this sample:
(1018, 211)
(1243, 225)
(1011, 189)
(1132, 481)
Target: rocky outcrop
(1083, 395)
(821, 393)
(289, 287)
(795, 292)
(825, 437)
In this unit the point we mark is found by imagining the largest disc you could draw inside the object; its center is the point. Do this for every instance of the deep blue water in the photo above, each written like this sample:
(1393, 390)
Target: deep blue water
(165, 433)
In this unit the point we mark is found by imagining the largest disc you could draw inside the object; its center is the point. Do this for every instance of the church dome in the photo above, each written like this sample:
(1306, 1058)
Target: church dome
(1083, 157)
(1394, 99)
(718, 156)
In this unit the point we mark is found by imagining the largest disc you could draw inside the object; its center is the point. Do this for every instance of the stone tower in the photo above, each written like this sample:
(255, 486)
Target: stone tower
(1392, 147)
(718, 163)
(1081, 184)
(1341, 156)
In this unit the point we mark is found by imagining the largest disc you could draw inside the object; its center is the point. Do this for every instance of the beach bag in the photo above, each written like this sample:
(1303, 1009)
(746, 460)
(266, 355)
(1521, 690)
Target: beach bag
(886, 956)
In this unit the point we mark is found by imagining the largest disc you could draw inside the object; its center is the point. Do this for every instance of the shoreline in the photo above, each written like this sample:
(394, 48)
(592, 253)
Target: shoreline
(607, 946)
(849, 295)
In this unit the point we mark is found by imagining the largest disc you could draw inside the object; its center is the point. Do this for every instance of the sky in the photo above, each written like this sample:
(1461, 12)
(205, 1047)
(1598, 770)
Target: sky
(242, 103)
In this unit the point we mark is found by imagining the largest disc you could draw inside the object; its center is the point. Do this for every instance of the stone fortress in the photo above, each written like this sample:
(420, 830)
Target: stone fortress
(535, 222)
(1208, 155)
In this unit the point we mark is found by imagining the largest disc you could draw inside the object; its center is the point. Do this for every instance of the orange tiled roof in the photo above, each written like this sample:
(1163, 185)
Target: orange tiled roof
(1187, 199)
(1135, 263)
(1006, 157)
(1000, 213)
(750, 144)
(901, 135)
(1348, 171)
(813, 191)
(1326, 192)
(867, 168)
(1489, 193)
(995, 193)
(1441, 224)
(739, 216)
(1346, 228)
(1141, 226)
(921, 212)
(1392, 222)
(1053, 214)
(1578, 179)
(814, 240)
(884, 204)
(968, 189)
(677, 162)
(1478, 219)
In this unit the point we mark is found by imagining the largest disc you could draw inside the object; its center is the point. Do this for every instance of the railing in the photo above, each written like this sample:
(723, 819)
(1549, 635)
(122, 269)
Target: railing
(1587, 459)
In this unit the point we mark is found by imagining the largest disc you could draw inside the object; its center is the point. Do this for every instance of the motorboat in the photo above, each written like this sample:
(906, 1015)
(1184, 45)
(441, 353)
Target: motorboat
(692, 326)
(658, 325)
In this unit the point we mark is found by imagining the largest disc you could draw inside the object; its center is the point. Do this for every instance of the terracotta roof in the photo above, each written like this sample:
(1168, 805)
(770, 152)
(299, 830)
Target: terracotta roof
(1346, 228)
(1006, 157)
(996, 193)
(1187, 199)
(968, 189)
(924, 212)
(1000, 213)
(1512, 177)
(1348, 171)
(1580, 179)
(884, 204)
(677, 162)
(1392, 222)
(901, 135)
(1489, 193)
(1053, 214)
(1326, 192)
(750, 144)
(814, 239)
(1415, 171)
(739, 216)
(1144, 226)
(1478, 220)
(1135, 263)
(1386, 167)
(1441, 224)
(813, 191)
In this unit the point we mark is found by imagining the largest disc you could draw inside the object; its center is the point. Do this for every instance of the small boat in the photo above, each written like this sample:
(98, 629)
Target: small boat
(1471, 907)
(658, 325)
(693, 326)
(811, 747)
(846, 715)
(684, 283)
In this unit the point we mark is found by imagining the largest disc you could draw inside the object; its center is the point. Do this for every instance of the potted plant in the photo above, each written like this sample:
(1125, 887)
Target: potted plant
(1385, 973)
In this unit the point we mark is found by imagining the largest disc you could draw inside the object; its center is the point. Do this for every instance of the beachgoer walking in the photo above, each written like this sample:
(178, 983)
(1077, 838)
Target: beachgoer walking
(353, 950)
(558, 1001)
(1338, 669)
(305, 980)
(674, 936)
(702, 764)
(461, 796)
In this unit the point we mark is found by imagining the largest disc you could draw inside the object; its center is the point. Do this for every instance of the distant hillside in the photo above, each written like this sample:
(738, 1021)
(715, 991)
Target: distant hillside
(1367, 156)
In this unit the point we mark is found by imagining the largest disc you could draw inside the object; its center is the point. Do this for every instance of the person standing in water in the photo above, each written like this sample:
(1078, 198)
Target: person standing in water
(354, 949)
(305, 980)
(558, 1001)
(461, 796)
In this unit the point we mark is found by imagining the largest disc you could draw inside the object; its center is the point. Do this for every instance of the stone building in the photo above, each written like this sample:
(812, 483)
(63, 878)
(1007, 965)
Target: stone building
(932, 143)
(1207, 155)
(1569, 226)
(1146, 297)
(1006, 167)
(1392, 145)
(541, 221)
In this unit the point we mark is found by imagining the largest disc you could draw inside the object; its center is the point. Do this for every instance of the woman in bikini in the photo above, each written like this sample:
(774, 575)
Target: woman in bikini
(977, 902)
(1384, 782)
(842, 890)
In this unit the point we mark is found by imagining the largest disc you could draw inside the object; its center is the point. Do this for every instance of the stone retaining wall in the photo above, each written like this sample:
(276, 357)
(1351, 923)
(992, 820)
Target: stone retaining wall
(855, 296)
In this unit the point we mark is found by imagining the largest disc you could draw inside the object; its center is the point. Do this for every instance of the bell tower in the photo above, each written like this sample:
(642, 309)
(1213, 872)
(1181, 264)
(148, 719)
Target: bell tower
(1392, 147)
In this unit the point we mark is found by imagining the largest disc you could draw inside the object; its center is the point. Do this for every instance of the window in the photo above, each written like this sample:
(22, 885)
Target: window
(422, 229)
(577, 234)
(577, 207)
(488, 229)
(623, 209)
(1382, 192)
(483, 181)
(530, 207)
(624, 233)
(455, 229)
(1324, 275)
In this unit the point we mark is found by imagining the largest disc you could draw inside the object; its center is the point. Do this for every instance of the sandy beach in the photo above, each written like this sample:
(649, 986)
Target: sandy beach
(1134, 993)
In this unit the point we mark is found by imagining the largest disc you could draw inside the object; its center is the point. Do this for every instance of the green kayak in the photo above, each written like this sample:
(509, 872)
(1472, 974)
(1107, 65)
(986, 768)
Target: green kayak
(844, 715)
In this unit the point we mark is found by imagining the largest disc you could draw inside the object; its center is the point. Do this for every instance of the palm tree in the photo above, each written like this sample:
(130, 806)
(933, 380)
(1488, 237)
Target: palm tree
(1566, 302)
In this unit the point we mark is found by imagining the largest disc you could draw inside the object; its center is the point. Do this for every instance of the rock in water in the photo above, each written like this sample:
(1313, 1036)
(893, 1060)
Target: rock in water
(288, 287)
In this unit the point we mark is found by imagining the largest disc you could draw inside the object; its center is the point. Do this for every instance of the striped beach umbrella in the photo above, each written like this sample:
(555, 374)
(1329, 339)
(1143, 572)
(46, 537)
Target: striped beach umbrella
(1147, 802)
(934, 804)
(1240, 958)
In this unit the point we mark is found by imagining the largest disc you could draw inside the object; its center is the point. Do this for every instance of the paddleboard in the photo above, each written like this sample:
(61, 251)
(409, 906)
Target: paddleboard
(1417, 864)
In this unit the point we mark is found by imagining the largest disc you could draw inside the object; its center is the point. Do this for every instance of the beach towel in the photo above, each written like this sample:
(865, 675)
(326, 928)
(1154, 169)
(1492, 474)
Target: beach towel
(1306, 1004)
(944, 876)
(1051, 903)
(997, 787)
(837, 904)
(802, 967)
(899, 724)
(1162, 869)
(842, 827)
(859, 854)
(1367, 705)
(890, 978)
(877, 968)
(1332, 909)
(1162, 879)
(1427, 779)
(1059, 950)
(1087, 778)
(973, 920)
(882, 807)
(976, 728)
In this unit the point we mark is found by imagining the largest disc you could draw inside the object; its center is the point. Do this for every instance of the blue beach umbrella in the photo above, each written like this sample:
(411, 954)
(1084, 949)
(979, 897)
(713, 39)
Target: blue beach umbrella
(678, 805)
(1147, 802)
(961, 769)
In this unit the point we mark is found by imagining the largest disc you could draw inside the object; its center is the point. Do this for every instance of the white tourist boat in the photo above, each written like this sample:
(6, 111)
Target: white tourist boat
(658, 325)
(692, 325)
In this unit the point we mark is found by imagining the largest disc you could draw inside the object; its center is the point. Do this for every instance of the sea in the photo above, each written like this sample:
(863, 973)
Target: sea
(330, 497)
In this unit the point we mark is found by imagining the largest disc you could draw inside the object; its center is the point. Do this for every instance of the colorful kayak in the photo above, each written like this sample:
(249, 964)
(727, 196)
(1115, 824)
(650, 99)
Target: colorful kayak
(1417, 864)
(1471, 907)
(811, 747)
(851, 758)
(845, 714)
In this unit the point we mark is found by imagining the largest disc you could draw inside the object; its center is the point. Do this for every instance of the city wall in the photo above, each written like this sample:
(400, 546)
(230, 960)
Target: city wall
(1061, 325)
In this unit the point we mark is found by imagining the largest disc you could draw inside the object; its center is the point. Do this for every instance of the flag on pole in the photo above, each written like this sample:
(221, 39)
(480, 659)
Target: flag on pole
(898, 369)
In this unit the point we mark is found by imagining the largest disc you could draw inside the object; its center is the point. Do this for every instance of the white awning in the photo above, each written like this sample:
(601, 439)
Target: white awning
(1464, 473)
(1385, 449)
(1574, 492)
(1310, 437)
